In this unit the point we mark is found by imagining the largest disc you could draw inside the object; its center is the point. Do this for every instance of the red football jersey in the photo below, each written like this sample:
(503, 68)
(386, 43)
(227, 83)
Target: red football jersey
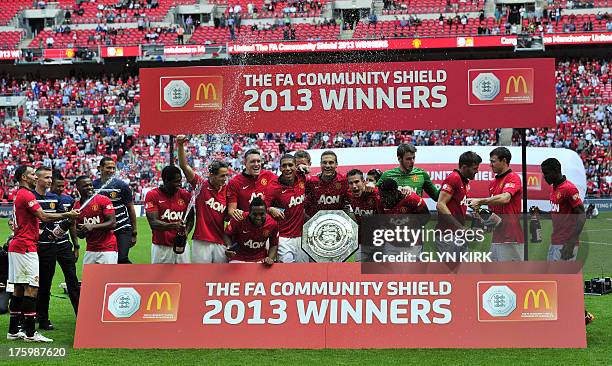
(243, 188)
(291, 199)
(211, 208)
(25, 224)
(563, 199)
(510, 230)
(93, 213)
(365, 205)
(410, 204)
(458, 187)
(169, 209)
(325, 194)
(252, 239)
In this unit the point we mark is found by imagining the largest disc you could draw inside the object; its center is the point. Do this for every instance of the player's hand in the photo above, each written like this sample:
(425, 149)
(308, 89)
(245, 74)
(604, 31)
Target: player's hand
(276, 213)
(303, 168)
(268, 261)
(237, 215)
(567, 252)
(85, 228)
(134, 239)
(179, 225)
(369, 187)
(475, 203)
(72, 214)
(405, 190)
(180, 139)
(229, 253)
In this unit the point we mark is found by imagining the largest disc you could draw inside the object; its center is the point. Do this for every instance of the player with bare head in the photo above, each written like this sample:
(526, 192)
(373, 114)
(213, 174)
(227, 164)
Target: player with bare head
(210, 208)
(505, 200)
(251, 183)
(96, 223)
(23, 256)
(246, 239)
(567, 213)
(285, 201)
(327, 190)
(452, 202)
(165, 209)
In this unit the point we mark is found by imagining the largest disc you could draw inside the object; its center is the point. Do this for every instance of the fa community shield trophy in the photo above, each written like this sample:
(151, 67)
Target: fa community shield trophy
(330, 236)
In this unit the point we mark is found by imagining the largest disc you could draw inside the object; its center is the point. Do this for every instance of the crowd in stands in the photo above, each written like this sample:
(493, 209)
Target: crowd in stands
(75, 144)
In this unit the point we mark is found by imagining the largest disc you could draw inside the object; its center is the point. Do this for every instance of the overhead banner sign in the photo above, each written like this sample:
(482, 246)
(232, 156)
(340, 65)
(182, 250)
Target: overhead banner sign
(348, 97)
(327, 305)
(120, 51)
(10, 54)
(413, 43)
(59, 52)
(184, 50)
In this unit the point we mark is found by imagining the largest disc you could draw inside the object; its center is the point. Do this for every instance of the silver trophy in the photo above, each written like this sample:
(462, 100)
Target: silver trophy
(330, 236)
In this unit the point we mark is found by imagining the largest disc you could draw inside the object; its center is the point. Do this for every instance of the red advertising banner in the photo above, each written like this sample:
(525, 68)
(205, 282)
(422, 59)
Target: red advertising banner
(120, 51)
(184, 50)
(413, 43)
(328, 305)
(59, 52)
(10, 54)
(347, 97)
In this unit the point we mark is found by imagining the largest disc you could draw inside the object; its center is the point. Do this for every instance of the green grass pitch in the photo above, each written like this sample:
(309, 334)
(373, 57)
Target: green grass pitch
(595, 250)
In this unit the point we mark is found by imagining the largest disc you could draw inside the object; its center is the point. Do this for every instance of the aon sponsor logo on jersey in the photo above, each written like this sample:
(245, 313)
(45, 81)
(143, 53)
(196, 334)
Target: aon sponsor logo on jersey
(328, 200)
(215, 205)
(255, 244)
(295, 201)
(253, 195)
(465, 201)
(172, 215)
(554, 207)
(91, 220)
(362, 212)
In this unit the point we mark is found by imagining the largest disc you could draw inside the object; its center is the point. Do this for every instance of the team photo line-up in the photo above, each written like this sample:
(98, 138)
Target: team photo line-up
(255, 217)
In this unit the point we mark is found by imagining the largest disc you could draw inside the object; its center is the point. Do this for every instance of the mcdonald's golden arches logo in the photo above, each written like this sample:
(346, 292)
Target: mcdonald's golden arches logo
(536, 296)
(206, 90)
(159, 300)
(534, 181)
(516, 81)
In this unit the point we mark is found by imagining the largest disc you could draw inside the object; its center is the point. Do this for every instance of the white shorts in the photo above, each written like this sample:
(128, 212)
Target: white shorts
(507, 252)
(164, 254)
(207, 252)
(554, 253)
(23, 268)
(100, 258)
(290, 250)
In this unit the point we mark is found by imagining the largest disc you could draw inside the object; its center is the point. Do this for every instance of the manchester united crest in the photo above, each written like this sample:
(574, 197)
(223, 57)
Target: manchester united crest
(264, 181)
(558, 195)
(52, 205)
(113, 195)
(415, 178)
(181, 202)
(403, 209)
(301, 185)
(266, 233)
(338, 185)
(95, 207)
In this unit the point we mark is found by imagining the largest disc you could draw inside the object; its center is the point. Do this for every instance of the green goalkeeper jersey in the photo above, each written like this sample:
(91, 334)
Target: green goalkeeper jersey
(417, 179)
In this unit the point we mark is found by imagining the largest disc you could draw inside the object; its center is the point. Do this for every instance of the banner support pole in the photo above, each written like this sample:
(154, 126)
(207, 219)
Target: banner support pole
(523, 132)
(171, 149)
